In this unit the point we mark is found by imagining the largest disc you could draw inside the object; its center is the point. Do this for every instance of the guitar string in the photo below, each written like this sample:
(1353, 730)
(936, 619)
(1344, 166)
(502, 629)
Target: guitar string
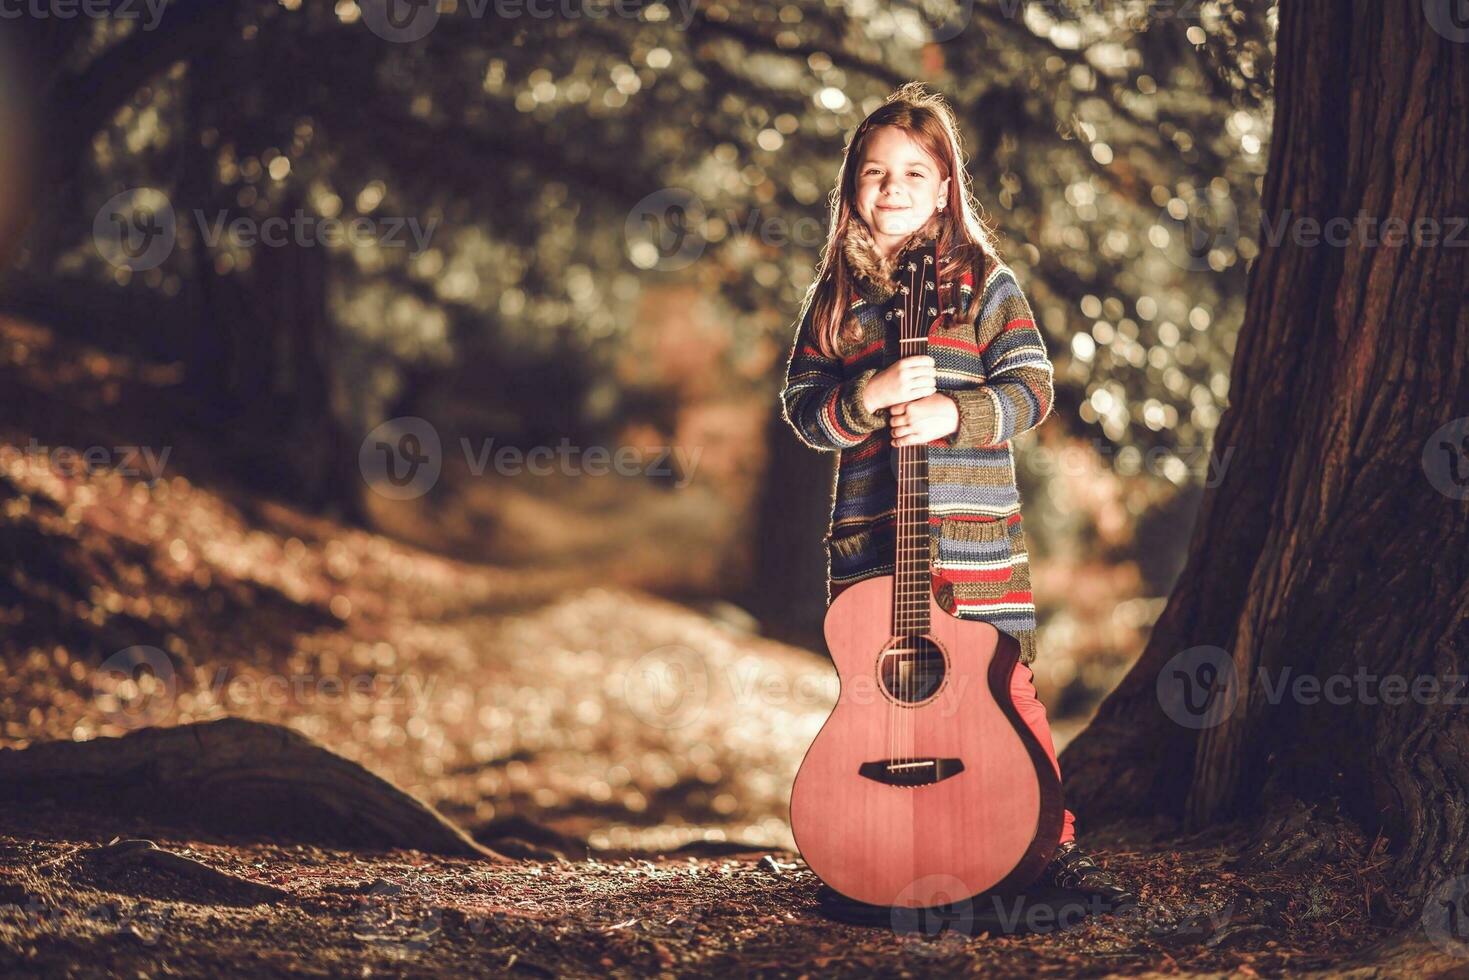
(909, 610)
(911, 323)
(912, 504)
(908, 503)
(904, 504)
(896, 661)
(910, 645)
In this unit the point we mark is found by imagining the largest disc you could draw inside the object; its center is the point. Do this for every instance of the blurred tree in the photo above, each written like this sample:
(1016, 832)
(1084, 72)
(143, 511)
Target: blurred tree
(1337, 543)
(568, 163)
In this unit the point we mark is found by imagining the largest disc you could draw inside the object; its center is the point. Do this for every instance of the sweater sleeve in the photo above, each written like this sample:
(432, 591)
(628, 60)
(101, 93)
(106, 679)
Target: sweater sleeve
(1019, 392)
(823, 409)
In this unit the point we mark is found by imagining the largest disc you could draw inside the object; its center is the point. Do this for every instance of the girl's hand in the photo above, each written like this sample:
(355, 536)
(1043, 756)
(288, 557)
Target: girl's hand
(904, 380)
(917, 422)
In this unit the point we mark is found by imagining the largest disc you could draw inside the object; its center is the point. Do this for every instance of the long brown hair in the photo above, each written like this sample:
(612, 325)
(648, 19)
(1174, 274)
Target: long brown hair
(964, 236)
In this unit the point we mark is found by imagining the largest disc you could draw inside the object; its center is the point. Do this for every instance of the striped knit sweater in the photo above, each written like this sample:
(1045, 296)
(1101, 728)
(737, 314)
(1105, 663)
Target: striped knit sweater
(994, 365)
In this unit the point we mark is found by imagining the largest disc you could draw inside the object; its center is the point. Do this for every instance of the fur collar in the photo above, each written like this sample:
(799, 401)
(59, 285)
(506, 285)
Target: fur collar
(871, 272)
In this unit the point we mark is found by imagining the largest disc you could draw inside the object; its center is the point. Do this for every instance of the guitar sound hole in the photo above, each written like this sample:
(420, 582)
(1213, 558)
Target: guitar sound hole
(912, 668)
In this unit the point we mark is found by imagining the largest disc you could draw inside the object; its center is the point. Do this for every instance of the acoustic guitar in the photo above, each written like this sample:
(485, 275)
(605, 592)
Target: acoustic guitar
(924, 787)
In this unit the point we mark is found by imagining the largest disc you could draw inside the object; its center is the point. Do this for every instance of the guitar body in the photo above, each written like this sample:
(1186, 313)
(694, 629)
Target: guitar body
(919, 793)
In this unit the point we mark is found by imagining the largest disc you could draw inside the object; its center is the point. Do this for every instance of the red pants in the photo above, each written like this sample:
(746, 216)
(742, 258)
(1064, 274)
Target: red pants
(1022, 692)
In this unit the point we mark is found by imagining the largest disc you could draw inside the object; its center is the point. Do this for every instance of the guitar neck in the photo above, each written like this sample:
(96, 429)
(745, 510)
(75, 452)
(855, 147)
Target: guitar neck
(912, 569)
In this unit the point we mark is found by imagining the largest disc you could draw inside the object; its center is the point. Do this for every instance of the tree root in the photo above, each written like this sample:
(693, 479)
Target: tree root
(235, 776)
(118, 852)
(1294, 835)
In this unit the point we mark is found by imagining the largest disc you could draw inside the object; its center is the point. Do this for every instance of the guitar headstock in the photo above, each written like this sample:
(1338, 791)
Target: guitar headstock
(919, 291)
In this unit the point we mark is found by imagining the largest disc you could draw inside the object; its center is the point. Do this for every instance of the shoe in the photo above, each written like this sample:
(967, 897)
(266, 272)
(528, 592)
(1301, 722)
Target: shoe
(1073, 868)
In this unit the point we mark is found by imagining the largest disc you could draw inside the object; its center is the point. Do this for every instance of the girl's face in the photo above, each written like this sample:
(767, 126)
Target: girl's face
(899, 186)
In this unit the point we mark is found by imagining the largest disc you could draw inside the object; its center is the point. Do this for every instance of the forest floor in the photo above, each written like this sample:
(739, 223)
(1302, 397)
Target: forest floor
(634, 754)
(65, 913)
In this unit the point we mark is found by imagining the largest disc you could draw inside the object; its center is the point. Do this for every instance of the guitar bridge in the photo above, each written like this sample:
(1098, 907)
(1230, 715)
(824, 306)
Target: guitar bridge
(911, 772)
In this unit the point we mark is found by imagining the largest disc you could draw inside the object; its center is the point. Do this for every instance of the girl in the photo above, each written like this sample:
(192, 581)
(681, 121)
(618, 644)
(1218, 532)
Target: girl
(986, 380)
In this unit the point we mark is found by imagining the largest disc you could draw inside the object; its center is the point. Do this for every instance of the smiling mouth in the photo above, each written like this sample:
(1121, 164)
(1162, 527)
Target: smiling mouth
(890, 207)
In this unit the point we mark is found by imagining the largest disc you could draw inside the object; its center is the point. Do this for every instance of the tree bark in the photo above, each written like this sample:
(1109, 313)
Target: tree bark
(1337, 543)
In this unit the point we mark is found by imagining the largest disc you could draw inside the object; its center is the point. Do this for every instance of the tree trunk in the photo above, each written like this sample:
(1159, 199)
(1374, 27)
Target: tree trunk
(787, 586)
(259, 361)
(68, 106)
(1337, 543)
